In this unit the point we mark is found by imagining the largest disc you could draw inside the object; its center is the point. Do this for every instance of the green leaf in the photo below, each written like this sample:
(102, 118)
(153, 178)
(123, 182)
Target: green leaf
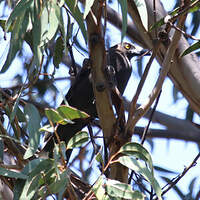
(78, 140)
(195, 8)
(99, 158)
(59, 183)
(44, 166)
(31, 187)
(20, 115)
(192, 48)
(173, 13)
(57, 153)
(122, 190)
(140, 168)
(18, 11)
(137, 150)
(142, 10)
(2, 23)
(71, 113)
(77, 16)
(58, 52)
(15, 107)
(33, 126)
(47, 128)
(19, 185)
(53, 115)
(124, 9)
(88, 5)
(98, 188)
(17, 35)
(11, 174)
(49, 21)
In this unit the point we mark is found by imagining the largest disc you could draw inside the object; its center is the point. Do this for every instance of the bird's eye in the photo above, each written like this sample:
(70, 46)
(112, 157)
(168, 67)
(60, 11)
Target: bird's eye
(127, 46)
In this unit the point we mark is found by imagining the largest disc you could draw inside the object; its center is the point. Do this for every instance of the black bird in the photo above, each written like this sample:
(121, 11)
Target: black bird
(81, 95)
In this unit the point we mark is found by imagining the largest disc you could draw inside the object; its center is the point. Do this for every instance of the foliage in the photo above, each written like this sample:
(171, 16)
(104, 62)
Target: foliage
(49, 29)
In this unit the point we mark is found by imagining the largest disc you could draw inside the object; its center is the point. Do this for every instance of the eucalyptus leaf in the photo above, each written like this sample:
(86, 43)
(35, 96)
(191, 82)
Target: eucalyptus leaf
(192, 48)
(76, 13)
(88, 5)
(78, 140)
(121, 190)
(11, 174)
(71, 113)
(137, 150)
(140, 168)
(33, 126)
(142, 10)
(124, 9)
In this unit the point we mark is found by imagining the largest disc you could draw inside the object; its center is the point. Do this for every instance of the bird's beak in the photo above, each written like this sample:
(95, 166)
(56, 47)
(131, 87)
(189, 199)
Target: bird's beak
(138, 52)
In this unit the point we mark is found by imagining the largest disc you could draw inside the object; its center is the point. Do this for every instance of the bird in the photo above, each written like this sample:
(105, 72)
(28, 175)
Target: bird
(81, 95)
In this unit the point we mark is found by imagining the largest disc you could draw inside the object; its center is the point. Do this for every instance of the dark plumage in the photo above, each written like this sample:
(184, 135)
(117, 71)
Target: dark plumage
(81, 95)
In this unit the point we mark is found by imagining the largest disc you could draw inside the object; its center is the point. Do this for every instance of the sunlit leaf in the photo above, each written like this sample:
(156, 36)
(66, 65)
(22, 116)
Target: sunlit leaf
(98, 189)
(71, 113)
(55, 117)
(49, 21)
(141, 168)
(137, 150)
(78, 140)
(88, 5)
(120, 190)
(47, 128)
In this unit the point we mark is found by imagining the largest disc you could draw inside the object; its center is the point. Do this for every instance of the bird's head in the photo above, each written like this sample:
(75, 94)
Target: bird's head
(129, 50)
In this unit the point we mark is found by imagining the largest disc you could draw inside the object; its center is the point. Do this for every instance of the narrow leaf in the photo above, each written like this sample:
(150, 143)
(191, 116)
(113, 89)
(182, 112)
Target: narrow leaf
(192, 48)
(140, 168)
(78, 140)
(11, 174)
(137, 150)
(77, 16)
(58, 52)
(20, 8)
(98, 189)
(142, 10)
(33, 121)
(88, 5)
(124, 9)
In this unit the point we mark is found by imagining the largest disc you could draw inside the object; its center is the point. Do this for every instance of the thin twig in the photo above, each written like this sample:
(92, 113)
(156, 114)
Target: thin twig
(59, 144)
(150, 119)
(182, 174)
(139, 88)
